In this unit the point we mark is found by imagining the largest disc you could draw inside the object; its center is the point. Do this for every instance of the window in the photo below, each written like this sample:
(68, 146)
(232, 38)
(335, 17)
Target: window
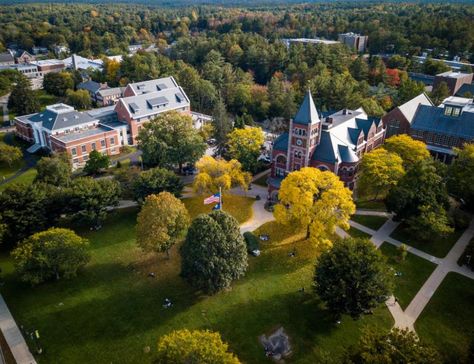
(112, 141)
(73, 151)
(456, 111)
(281, 159)
(279, 172)
(448, 110)
(102, 143)
(83, 149)
(93, 146)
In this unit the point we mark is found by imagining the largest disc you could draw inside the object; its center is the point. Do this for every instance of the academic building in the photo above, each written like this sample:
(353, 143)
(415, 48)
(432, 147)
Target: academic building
(334, 142)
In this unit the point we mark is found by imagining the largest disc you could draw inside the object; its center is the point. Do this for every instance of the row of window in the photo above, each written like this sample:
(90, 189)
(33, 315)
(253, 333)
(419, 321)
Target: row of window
(440, 139)
(85, 158)
(93, 146)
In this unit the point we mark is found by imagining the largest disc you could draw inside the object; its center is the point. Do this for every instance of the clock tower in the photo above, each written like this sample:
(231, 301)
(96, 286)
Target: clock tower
(304, 135)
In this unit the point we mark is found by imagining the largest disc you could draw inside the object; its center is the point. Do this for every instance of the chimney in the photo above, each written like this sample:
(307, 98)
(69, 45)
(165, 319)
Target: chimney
(329, 120)
(344, 111)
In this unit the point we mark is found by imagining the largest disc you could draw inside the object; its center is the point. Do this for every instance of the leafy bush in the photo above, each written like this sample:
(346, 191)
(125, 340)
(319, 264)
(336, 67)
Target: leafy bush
(251, 241)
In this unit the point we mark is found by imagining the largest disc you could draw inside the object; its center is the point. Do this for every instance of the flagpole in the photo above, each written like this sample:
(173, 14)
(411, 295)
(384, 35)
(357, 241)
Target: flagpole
(220, 198)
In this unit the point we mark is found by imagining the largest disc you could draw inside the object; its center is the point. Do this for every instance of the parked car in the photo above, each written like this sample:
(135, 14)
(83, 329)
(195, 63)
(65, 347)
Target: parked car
(189, 170)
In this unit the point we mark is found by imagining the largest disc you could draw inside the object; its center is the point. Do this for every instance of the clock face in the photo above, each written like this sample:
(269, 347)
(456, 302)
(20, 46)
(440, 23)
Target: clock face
(299, 142)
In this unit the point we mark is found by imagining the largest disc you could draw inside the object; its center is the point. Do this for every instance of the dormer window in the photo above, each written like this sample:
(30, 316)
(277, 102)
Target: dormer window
(456, 111)
(452, 111)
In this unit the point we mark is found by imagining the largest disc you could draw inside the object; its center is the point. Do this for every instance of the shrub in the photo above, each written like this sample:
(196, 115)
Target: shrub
(252, 241)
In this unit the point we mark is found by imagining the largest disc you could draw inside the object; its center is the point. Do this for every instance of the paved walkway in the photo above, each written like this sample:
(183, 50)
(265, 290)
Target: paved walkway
(13, 336)
(407, 318)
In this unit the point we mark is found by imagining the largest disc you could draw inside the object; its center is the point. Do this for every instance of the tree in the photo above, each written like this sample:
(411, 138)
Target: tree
(154, 181)
(421, 198)
(96, 162)
(461, 175)
(22, 100)
(408, 90)
(170, 140)
(161, 223)
(26, 209)
(245, 146)
(218, 173)
(54, 253)
(88, 199)
(409, 149)
(393, 347)
(214, 252)
(221, 124)
(204, 347)
(55, 170)
(80, 99)
(440, 93)
(359, 69)
(10, 154)
(379, 171)
(352, 277)
(432, 67)
(57, 83)
(372, 107)
(316, 201)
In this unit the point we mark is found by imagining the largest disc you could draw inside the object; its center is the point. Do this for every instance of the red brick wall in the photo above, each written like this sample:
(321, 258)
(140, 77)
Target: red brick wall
(395, 115)
(23, 131)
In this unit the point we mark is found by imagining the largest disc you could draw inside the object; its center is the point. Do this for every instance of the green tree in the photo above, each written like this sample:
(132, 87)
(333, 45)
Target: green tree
(432, 67)
(359, 69)
(55, 170)
(154, 181)
(51, 254)
(430, 223)
(379, 171)
(88, 199)
(461, 175)
(245, 146)
(393, 347)
(96, 162)
(440, 93)
(80, 99)
(214, 252)
(57, 83)
(170, 140)
(203, 347)
(408, 90)
(161, 223)
(10, 154)
(22, 99)
(222, 125)
(352, 277)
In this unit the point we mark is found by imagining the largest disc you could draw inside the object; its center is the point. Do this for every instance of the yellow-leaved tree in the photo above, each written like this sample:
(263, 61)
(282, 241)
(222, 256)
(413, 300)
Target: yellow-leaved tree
(245, 146)
(161, 223)
(409, 149)
(214, 173)
(317, 201)
(379, 171)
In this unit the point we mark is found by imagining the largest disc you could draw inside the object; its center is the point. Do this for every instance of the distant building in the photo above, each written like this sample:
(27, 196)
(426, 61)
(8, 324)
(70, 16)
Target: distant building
(60, 50)
(92, 88)
(355, 41)
(39, 50)
(79, 63)
(49, 65)
(399, 120)
(290, 41)
(25, 57)
(30, 71)
(442, 128)
(6, 59)
(335, 142)
(454, 80)
(454, 64)
(109, 96)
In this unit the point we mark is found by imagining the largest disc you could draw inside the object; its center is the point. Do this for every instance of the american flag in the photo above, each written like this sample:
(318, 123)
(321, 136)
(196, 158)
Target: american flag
(211, 199)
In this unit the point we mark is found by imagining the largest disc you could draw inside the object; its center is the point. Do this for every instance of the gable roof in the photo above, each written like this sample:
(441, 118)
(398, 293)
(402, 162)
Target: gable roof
(90, 86)
(408, 109)
(281, 143)
(6, 57)
(432, 118)
(307, 113)
(158, 84)
(467, 87)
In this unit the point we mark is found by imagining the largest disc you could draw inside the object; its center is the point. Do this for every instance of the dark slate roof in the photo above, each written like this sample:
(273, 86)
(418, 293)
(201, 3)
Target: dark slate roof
(281, 143)
(307, 113)
(90, 86)
(467, 87)
(325, 152)
(275, 181)
(347, 155)
(54, 121)
(431, 118)
(353, 134)
(6, 57)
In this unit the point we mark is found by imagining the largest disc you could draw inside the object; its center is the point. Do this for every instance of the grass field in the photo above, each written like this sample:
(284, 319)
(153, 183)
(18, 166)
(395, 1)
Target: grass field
(238, 206)
(369, 204)
(356, 233)
(26, 177)
(415, 271)
(372, 222)
(438, 247)
(262, 181)
(112, 311)
(448, 319)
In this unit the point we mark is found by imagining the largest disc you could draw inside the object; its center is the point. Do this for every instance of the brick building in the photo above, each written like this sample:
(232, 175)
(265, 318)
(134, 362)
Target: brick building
(334, 142)
(354, 41)
(454, 80)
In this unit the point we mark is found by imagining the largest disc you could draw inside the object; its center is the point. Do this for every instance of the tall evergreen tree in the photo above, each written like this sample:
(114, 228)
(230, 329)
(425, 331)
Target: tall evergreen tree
(222, 125)
(22, 99)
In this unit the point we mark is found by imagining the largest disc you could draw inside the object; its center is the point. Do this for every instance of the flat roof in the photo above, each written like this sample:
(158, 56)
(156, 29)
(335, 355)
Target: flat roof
(77, 135)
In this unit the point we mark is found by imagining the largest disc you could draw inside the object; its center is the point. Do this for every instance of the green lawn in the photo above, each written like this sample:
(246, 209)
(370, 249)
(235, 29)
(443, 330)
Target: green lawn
(372, 222)
(280, 234)
(238, 206)
(356, 233)
(368, 204)
(438, 247)
(46, 99)
(6, 170)
(448, 319)
(112, 311)
(415, 271)
(26, 177)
